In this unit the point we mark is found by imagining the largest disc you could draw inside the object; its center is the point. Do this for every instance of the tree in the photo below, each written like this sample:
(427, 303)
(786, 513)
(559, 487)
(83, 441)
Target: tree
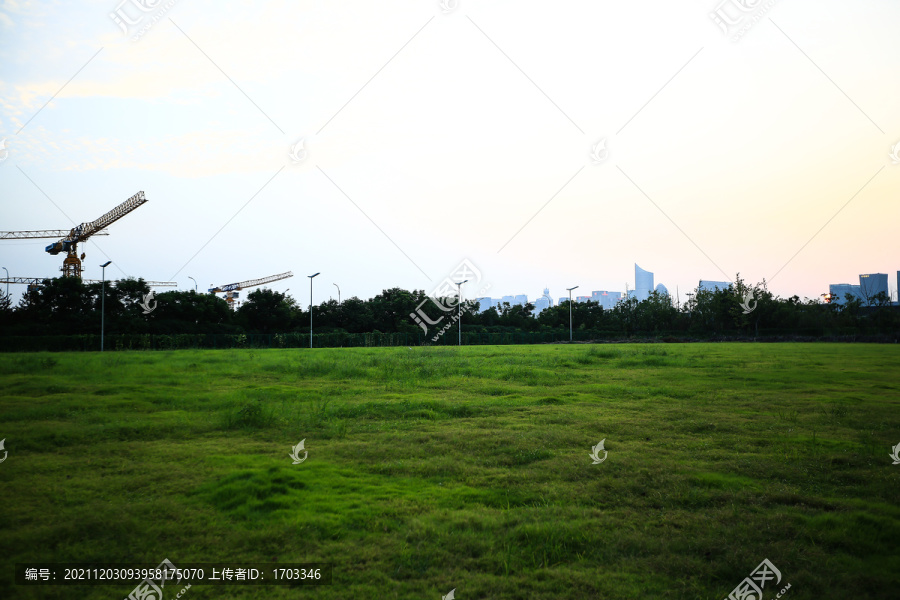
(266, 311)
(190, 312)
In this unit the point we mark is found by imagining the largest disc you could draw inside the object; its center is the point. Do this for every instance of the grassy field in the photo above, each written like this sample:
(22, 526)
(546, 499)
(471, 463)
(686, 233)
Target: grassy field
(431, 469)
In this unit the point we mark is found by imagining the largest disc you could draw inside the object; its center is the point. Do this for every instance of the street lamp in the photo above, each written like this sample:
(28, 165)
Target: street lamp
(103, 304)
(7, 282)
(195, 282)
(339, 291)
(570, 310)
(310, 307)
(459, 309)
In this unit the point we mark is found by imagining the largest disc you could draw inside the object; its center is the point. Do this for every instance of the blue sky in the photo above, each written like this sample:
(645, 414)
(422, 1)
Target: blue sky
(433, 137)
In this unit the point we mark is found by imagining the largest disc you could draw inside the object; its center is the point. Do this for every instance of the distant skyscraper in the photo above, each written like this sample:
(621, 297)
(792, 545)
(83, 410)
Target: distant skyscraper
(872, 284)
(711, 286)
(582, 298)
(606, 299)
(839, 292)
(662, 290)
(510, 299)
(521, 299)
(643, 283)
(542, 303)
(563, 299)
(484, 303)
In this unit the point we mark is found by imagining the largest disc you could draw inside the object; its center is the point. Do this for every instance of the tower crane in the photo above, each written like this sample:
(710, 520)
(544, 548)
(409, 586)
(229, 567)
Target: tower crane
(232, 290)
(70, 240)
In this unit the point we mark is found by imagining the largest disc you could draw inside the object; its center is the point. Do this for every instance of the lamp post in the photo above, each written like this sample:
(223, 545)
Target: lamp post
(570, 310)
(103, 304)
(459, 309)
(310, 307)
(339, 291)
(195, 282)
(7, 282)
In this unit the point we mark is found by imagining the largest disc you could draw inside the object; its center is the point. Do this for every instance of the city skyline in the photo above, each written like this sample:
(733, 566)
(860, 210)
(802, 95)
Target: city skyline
(837, 291)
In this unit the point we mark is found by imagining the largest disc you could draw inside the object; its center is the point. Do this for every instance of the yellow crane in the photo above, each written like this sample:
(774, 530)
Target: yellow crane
(70, 240)
(232, 290)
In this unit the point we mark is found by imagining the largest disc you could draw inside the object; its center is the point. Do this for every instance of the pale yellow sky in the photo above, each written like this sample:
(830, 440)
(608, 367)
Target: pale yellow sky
(435, 137)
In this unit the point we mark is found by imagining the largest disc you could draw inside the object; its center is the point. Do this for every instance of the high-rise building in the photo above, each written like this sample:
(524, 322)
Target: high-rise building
(606, 299)
(563, 299)
(484, 303)
(839, 292)
(542, 303)
(711, 286)
(662, 290)
(643, 283)
(510, 299)
(872, 284)
(522, 299)
(582, 298)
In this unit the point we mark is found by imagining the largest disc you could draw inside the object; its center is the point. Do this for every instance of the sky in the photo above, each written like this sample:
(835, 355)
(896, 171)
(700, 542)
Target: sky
(382, 144)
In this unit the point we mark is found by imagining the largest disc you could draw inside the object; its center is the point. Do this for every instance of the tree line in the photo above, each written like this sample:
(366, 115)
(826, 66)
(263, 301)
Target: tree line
(68, 306)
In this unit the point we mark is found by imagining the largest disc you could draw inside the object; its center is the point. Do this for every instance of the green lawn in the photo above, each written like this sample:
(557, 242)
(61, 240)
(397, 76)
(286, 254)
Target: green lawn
(431, 469)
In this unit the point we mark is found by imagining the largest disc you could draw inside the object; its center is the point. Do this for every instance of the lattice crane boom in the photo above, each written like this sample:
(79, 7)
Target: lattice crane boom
(231, 289)
(37, 281)
(250, 283)
(41, 233)
(86, 230)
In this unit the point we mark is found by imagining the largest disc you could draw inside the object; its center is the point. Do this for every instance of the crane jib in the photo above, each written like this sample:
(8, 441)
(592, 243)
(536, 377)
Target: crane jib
(85, 230)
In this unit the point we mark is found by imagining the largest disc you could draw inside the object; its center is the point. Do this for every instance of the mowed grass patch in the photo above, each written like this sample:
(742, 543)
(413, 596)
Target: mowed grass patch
(430, 469)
